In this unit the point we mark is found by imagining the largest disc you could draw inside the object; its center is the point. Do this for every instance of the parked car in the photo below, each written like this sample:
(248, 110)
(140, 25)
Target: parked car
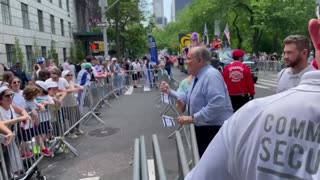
(222, 58)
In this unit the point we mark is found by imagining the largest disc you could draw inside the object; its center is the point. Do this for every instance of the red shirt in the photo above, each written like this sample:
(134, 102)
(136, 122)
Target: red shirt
(238, 78)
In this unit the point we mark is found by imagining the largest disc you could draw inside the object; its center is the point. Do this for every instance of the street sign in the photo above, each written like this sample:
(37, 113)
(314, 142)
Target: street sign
(102, 24)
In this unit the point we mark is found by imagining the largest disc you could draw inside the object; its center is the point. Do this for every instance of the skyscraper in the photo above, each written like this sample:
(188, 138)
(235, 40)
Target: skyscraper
(177, 6)
(160, 20)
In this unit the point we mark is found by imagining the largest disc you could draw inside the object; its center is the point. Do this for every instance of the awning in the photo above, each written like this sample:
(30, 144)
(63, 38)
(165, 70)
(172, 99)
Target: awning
(88, 36)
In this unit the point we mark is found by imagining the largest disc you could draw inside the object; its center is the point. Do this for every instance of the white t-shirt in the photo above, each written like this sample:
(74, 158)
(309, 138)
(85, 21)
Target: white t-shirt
(288, 80)
(62, 83)
(18, 99)
(135, 67)
(271, 138)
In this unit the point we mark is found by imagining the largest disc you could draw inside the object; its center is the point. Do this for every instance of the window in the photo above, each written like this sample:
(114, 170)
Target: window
(25, 16)
(5, 12)
(44, 52)
(70, 30)
(40, 20)
(67, 5)
(60, 3)
(62, 28)
(10, 56)
(64, 54)
(53, 28)
(29, 57)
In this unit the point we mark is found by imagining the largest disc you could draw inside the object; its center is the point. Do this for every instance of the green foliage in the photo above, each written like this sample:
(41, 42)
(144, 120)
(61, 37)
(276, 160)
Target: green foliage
(53, 52)
(126, 28)
(77, 52)
(254, 25)
(17, 52)
(36, 49)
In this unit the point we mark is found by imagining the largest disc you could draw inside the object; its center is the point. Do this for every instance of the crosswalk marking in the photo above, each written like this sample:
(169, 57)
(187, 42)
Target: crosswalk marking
(263, 87)
(268, 81)
(91, 178)
(267, 84)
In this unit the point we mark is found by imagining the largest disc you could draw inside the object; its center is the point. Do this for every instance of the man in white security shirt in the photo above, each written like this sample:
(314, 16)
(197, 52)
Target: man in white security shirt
(271, 138)
(296, 52)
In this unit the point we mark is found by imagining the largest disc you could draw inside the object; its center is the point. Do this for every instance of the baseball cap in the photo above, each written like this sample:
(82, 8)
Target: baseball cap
(51, 84)
(40, 60)
(114, 59)
(3, 88)
(87, 65)
(65, 72)
(42, 85)
(238, 53)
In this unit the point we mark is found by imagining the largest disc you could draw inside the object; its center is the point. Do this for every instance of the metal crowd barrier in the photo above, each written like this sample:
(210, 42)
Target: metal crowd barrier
(269, 66)
(49, 127)
(140, 165)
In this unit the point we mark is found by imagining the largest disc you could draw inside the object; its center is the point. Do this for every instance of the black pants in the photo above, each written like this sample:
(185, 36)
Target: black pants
(204, 136)
(238, 101)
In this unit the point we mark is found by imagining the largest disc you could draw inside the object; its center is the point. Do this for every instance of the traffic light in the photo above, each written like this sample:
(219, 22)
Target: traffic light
(95, 47)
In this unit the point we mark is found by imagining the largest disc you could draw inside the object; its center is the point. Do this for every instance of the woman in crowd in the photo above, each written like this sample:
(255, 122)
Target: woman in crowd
(71, 108)
(148, 73)
(8, 116)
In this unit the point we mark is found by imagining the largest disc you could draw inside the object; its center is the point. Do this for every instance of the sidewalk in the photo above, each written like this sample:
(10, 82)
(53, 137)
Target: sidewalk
(107, 153)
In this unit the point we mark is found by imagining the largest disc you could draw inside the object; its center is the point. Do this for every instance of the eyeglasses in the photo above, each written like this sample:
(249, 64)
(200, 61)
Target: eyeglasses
(9, 95)
(16, 82)
(69, 75)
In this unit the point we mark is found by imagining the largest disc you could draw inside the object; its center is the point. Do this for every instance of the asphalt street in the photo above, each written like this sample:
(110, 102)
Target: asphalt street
(106, 151)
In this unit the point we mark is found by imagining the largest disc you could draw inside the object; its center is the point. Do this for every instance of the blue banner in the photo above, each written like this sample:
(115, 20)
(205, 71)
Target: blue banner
(153, 49)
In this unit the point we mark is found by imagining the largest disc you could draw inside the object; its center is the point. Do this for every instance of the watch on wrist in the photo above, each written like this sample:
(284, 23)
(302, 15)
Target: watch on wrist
(194, 120)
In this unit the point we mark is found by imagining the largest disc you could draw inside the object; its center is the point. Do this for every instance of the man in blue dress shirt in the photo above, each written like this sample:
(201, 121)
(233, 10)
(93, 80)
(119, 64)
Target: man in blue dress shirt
(207, 99)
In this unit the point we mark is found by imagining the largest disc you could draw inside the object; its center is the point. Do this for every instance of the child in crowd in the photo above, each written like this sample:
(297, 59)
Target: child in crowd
(29, 130)
(44, 128)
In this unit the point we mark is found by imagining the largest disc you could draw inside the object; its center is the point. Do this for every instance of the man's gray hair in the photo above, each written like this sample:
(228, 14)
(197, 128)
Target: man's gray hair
(202, 53)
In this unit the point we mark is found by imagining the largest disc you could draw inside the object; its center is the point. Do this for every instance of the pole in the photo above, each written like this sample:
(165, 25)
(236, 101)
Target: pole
(104, 31)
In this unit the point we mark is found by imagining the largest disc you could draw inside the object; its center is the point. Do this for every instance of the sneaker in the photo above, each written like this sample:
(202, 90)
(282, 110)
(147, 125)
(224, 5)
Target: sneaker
(73, 136)
(27, 155)
(78, 131)
(36, 149)
(46, 152)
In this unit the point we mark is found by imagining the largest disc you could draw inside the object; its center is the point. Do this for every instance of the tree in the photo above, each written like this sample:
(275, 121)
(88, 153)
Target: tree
(17, 53)
(254, 25)
(36, 49)
(53, 52)
(126, 28)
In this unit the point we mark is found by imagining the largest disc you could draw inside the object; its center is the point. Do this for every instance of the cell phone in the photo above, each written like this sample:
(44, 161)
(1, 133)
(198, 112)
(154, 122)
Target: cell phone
(3, 138)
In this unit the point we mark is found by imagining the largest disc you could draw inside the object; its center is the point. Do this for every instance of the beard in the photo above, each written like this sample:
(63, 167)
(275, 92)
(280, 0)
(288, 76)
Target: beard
(294, 62)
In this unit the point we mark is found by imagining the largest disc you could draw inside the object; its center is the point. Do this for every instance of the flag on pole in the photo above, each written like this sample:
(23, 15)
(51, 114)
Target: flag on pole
(206, 33)
(227, 33)
(217, 28)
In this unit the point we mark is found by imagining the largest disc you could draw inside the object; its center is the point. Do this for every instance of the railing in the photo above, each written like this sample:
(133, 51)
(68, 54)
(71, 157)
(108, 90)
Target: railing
(270, 66)
(46, 138)
(184, 135)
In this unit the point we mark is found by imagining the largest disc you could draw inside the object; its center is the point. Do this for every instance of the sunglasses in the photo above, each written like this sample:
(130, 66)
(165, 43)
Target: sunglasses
(9, 95)
(16, 82)
(69, 75)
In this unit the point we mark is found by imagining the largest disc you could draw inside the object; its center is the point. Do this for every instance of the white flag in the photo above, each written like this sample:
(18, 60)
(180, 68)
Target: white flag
(206, 33)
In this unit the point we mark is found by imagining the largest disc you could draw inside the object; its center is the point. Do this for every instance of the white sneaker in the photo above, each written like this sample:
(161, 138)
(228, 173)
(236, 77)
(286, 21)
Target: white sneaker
(73, 136)
(78, 131)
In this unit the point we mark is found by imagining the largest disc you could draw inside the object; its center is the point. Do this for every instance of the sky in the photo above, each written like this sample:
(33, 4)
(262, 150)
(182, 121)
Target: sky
(166, 7)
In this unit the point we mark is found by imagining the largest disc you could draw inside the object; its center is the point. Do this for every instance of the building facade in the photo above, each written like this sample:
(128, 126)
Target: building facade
(177, 6)
(158, 12)
(37, 24)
